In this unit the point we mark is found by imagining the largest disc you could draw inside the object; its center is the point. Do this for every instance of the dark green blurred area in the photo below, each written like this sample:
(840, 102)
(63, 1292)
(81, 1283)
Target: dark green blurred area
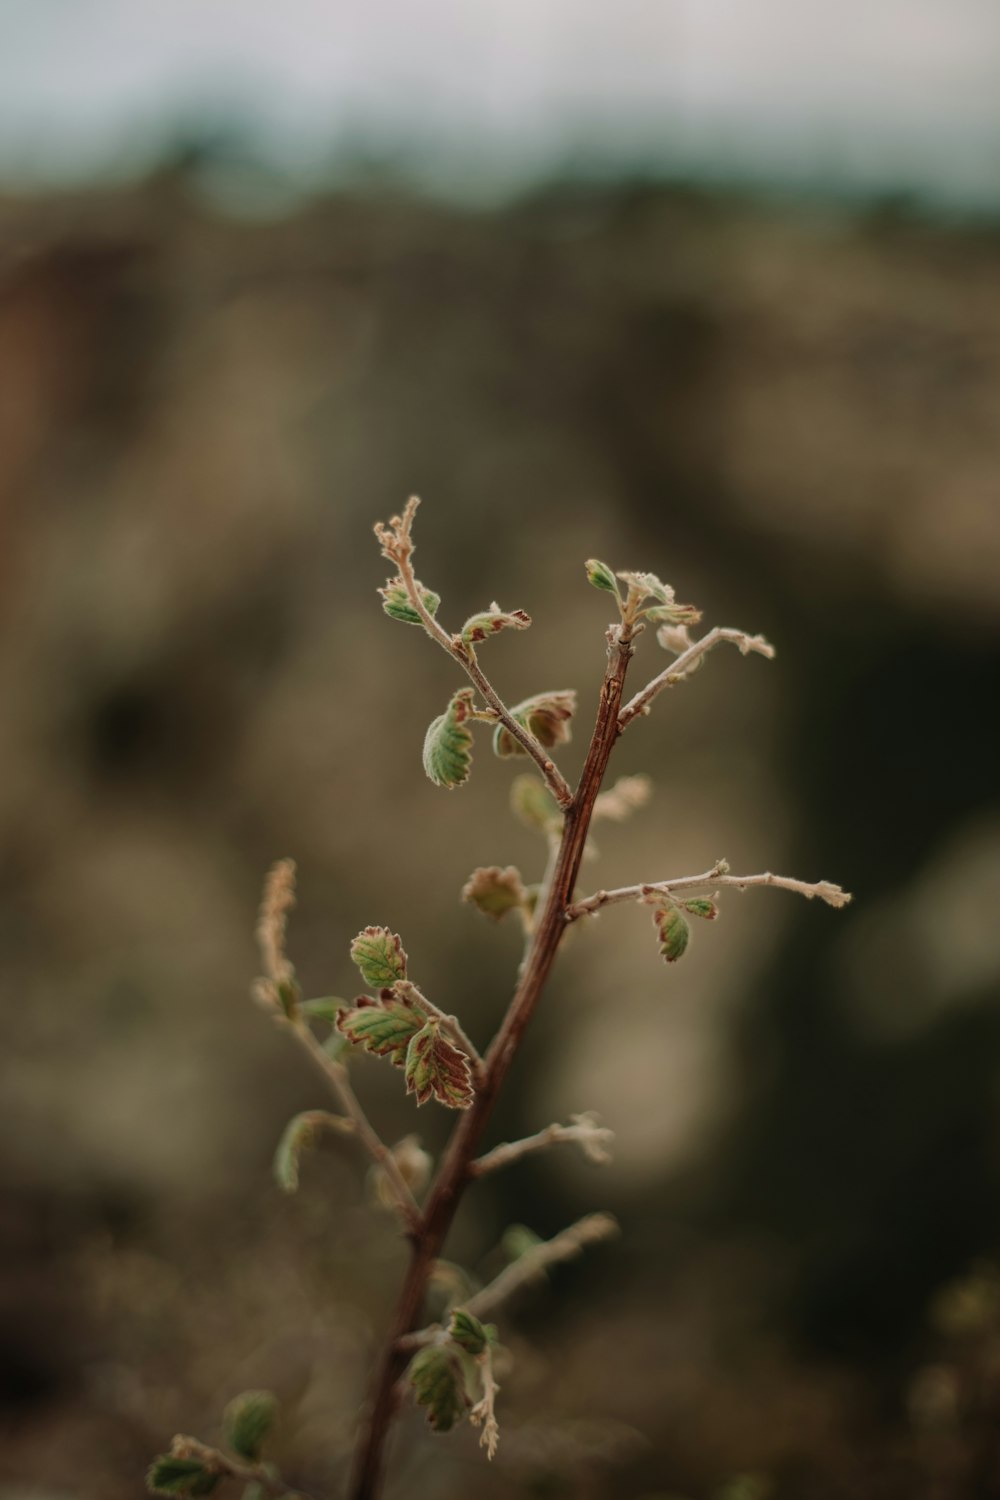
(791, 415)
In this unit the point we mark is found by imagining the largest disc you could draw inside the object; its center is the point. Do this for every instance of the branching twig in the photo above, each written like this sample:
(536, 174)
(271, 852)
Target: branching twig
(832, 894)
(337, 1077)
(592, 1137)
(397, 546)
(216, 1462)
(681, 666)
(534, 1262)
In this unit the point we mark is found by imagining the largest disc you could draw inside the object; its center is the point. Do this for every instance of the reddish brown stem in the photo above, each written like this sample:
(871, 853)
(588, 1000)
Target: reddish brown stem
(454, 1174)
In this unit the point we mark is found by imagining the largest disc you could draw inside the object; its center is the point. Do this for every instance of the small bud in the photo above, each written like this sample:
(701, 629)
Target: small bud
(601, 576)
(495, 892)
(674, 932)
(642, 586)
(247, 1421)
(399, 606)
(379, 954)
(701, 906)
(448, 743)
(674, 614)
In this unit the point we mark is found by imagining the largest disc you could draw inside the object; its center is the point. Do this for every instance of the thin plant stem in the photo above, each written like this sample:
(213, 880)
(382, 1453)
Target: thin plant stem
(585, 1131)
(825, 890)
(681, 666)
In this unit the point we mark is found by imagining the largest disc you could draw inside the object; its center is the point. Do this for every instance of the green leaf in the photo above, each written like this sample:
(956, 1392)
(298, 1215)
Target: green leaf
(673, 931)
(397, 604)
(479, 627)
(247, 1421)
(384, 1029)
(701, 906)
(517, 1240)
(601, 576)
(300, 1132)
(534, 805)
(379, 955)
(437, 1070)
(467, 1332)
(495, 892)
(546, 716)
(643, 586)
(448, 743)
(323, 1009)
(439, 1386)
(170, 1475)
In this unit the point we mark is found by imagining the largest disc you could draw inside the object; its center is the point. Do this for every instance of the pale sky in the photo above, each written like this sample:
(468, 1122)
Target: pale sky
(903, 92)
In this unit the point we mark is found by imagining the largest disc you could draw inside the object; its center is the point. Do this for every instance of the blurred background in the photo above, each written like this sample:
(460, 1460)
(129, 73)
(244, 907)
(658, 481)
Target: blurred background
(711, 289)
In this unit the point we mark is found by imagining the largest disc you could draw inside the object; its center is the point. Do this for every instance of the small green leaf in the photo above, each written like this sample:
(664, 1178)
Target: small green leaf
(247, 1421)
(397, 603)
(448, 743)
(601, 576)
(673, 931)
(643, 586)
(534, 805)
(170, 1475)
(384, 1029)
(547, 716)
(701, 906)
(439, 1386)
(495, 892)
(517, 1240)
(437, 1070)
(323, 1009)
(479, 627)
(300, 1132)
(379, 955)
(467, 1332)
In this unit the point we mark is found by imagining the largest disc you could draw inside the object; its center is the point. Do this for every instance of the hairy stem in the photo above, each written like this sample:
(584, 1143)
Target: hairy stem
(231, 1468)
(454, 1173)
(681, 665)
(832, 894)
(585, 1130)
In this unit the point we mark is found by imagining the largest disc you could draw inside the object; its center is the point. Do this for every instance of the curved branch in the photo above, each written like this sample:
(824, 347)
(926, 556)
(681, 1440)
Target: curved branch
(681, 667)
(719, 874)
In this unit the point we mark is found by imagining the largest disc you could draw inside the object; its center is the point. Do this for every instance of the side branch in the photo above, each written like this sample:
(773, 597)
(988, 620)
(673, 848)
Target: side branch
(719, 874)
(337, 1077)
(222, 1466)
(536, 1261)
(592, 1137)
(682, 665)
(397, 546)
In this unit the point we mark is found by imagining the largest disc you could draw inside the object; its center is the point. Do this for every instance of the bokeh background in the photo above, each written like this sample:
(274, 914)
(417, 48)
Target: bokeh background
(710, 289)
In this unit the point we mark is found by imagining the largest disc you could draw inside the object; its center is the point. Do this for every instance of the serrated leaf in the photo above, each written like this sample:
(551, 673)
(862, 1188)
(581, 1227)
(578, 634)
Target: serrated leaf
(397, 603)
(534, 805)
(247, 1421)
(300, 1132)
(647, 586)
(385, 1029)
(495, 892)
(437, 1070)
(601, 576)
(171, 1475)
(379, 955)
(448, 743)
(439, 1386)
(546, 715)
(672, 930)
(467, 1332)
(489, 622)
(701, 906)
(324, 1008)
(673, 614)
